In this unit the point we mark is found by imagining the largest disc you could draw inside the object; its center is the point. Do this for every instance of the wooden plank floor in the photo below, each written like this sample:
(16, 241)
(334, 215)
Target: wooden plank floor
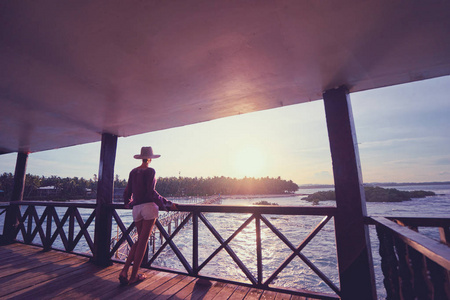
(26, 272)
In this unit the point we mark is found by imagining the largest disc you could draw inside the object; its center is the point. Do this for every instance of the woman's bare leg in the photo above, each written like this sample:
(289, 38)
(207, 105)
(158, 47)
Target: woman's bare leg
(141, 245)
(130, 258)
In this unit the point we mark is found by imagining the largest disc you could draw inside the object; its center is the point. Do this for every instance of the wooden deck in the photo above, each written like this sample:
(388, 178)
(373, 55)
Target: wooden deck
(26, 272)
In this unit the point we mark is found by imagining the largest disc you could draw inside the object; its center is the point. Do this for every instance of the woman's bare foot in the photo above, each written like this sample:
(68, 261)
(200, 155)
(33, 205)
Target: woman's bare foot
(136, 280)
(123, 278)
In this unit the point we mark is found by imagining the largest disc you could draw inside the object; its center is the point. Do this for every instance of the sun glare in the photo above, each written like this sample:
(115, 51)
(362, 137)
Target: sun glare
(250, 162)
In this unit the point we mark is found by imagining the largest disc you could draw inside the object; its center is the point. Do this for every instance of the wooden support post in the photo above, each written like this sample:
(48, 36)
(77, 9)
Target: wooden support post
(11, 220)
(352, 235)
(103, 216)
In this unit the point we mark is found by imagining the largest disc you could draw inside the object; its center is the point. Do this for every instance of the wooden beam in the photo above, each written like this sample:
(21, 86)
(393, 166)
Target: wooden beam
(352, 235)
(103, 216)
(11, 220)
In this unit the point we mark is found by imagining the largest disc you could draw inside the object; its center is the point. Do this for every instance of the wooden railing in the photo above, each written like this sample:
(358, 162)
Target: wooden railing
(414, 266)
(68, 225)
(45, 228)
(166, 219)
(258, 215)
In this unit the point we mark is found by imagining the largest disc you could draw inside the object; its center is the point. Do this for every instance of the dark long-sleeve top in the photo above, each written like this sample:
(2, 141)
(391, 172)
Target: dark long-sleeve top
(141, 186)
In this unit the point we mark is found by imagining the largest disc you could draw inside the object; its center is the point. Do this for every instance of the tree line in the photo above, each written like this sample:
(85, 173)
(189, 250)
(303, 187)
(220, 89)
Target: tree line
(57, 188)
(186, 186)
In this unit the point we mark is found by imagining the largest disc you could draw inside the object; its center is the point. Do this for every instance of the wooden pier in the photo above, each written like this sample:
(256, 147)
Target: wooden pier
(27, 272)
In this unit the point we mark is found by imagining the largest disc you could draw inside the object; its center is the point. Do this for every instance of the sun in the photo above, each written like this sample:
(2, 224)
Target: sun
(250, 161)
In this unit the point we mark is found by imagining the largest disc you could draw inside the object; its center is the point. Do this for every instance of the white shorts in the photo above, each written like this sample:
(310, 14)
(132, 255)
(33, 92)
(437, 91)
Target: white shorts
(145, 211)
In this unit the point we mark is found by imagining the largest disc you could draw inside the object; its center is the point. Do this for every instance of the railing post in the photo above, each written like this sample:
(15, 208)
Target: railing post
(71, 228)
(48, 230)
(146, 255)
(103, 216)
(195, 242)
(11, 220)
(352, 235)
(258, 248)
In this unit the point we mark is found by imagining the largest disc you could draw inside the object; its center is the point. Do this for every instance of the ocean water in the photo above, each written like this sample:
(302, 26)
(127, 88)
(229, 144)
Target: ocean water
(321, 251)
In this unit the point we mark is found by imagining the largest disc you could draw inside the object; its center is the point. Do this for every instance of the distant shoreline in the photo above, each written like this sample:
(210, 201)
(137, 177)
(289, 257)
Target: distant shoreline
(318, 186)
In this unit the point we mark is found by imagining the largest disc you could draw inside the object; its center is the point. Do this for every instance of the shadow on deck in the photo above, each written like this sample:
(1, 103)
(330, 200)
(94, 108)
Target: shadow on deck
(26, 272)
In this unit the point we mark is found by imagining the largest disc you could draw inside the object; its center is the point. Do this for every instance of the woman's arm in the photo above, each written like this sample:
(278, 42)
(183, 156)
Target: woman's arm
(128, 192)
(162, 202)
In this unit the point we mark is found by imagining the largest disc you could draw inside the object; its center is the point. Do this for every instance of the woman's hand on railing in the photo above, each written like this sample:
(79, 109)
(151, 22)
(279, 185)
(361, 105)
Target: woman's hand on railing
(174, 206)
(128, 205)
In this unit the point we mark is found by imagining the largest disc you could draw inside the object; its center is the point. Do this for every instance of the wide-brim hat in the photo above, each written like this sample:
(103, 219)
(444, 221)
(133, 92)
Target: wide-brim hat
(146, 153)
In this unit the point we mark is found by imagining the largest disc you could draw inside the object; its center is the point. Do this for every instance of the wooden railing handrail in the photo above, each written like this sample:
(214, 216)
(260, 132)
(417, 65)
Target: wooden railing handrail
(263, 209)
(55, 204)
(414, 221)
(432, 249)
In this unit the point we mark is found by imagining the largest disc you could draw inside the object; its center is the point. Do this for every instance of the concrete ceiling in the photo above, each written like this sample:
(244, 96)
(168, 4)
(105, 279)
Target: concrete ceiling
(71, 70)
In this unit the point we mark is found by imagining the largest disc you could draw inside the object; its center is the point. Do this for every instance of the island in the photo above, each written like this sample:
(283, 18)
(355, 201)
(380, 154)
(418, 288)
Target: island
(373, 194)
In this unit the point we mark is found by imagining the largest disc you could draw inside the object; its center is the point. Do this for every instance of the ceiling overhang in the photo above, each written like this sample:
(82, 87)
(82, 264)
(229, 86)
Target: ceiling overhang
(72, 70)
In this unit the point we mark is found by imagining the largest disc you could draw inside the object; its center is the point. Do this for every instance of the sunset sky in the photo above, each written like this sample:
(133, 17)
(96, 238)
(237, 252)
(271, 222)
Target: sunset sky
(403, 136)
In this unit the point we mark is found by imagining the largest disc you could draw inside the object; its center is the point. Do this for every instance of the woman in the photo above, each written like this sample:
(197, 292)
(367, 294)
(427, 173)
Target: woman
(140, 194)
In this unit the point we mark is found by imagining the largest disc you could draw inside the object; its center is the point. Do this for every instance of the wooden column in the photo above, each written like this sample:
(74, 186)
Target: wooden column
(352, 235)
(11, 220)
(103, 216)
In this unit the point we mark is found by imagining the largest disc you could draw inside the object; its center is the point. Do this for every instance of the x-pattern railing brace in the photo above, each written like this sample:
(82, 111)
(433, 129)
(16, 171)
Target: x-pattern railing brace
(59, 228)
(297, 252)
(38, 228)
(20, 226)
(169, 241)
(125, 234)
(83, 229)
(28, 236)
(50, 214)
(224, 244)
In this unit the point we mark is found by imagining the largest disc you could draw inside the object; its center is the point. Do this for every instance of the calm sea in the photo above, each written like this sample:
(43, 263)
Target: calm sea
(321, 250)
